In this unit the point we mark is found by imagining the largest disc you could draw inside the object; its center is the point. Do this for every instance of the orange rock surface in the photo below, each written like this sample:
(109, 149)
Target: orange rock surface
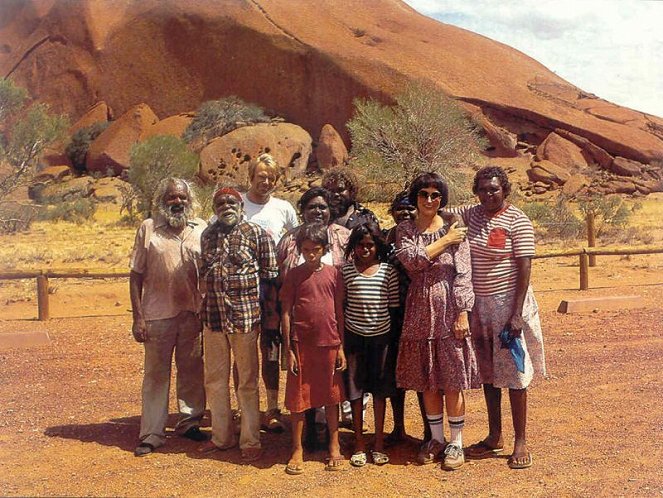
(306, 60)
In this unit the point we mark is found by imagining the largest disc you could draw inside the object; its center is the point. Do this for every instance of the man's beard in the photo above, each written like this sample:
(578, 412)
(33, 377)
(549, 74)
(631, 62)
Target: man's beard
(176, 216)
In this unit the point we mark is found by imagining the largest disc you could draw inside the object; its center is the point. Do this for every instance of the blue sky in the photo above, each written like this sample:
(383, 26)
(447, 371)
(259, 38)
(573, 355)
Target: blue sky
(612, 48)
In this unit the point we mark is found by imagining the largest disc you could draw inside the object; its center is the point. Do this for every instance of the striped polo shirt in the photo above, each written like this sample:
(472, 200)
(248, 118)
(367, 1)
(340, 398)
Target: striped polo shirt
(368, 299)
(495, 243)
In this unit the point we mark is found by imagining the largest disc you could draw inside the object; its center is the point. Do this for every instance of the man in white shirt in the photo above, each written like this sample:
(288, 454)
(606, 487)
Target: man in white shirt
(276, 216)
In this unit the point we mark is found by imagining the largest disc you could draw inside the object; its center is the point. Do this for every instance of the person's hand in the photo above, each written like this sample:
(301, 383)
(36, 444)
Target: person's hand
(516, 324)
(341, 362)
(270, 337)
(293, 365)
(456, 234)
(139, 330)
(461, 326)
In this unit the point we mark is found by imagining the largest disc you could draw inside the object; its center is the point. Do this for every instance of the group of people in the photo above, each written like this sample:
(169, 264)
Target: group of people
(427, 306)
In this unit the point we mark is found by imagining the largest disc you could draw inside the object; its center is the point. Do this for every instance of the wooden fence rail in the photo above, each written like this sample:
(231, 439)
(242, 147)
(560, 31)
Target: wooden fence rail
(42, 276)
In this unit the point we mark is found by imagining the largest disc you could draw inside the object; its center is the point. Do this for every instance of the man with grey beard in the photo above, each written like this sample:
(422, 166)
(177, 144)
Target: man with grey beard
(165, 299)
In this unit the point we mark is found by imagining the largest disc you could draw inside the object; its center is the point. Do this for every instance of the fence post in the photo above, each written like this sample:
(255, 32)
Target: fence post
(591, 237)
(42, 297)
(584, 271)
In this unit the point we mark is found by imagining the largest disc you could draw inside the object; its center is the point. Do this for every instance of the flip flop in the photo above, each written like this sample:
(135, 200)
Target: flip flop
(335, 464)
(511, 462)
(294, 469)
(358, 459)
(379, 458)
(480, 450)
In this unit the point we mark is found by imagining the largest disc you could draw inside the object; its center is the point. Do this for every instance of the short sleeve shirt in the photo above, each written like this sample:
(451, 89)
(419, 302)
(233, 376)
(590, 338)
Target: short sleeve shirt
(169, 265)
(311, 298)
(495, 243)
(276, 217)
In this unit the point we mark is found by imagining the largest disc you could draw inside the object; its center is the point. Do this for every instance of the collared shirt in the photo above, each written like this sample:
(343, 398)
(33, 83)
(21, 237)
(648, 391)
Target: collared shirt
(168, 263)
(232, 265)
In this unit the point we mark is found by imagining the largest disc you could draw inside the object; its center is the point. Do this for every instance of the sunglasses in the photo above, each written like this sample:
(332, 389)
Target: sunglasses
(433, 196)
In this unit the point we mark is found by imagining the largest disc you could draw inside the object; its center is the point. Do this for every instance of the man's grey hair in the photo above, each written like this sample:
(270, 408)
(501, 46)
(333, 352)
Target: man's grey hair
(162, 187)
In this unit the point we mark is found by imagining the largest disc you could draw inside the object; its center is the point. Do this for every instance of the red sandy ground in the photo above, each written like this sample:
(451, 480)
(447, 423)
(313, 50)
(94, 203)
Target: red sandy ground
(70, 411)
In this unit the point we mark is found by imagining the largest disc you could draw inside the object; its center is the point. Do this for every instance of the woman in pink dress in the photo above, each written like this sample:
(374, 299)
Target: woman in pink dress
(436, 356)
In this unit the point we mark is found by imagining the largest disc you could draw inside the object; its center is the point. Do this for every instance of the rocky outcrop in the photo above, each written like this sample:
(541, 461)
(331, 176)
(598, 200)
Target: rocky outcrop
(562, 152)
(593, 153)
(226, 158)
(624, 167)
(575, 184)
(172, 125)
(110, 151)
(548, 173)
(304, 60)
(98, 113)
(52, 173)
(331, 151)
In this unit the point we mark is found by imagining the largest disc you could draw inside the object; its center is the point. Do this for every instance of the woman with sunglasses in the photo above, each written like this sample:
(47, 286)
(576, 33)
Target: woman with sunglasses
(436, 356)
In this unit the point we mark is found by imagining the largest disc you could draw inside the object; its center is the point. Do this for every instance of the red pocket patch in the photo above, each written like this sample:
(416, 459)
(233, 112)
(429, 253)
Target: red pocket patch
(497, 238)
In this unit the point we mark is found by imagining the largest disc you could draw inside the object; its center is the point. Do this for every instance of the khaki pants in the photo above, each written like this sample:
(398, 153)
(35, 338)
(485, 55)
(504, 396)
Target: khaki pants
(244, 347)
(183, 335)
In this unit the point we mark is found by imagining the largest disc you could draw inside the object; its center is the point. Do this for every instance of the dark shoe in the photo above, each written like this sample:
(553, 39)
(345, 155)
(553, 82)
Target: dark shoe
(430, 452)
(250, 455)
(272, 421)
(143, 449)
(195, 434)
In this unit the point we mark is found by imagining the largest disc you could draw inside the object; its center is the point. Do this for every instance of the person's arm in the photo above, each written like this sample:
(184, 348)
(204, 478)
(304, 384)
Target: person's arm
(339, 302)
(416, 258)
(293, 365)
(268, 272)
(523, 242)
(138, 265)
(455, 235)
(138, 329)
(524, 268)
(463, 292)
(286, 298)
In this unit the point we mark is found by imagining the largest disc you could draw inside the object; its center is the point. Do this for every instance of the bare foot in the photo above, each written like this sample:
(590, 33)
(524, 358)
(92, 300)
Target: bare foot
(297, 457)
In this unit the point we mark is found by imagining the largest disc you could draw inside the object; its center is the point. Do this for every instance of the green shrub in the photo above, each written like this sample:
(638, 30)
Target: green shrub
(25, 133)
(554, 220)
(157, 158)
(204, 193)
(77, 149)
(215, 118)
(424, 131)
(75, 211)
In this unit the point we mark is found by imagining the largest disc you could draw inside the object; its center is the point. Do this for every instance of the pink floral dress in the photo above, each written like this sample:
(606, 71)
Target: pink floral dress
(430, 358)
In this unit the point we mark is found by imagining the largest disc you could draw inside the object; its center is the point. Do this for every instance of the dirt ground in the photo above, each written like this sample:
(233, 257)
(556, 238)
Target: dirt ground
(70, 411)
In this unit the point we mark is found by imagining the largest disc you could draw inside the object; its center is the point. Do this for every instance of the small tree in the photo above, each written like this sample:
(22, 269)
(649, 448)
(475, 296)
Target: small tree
(26, 131)
(609, 212)
(157, 158)
(215, 118)
(424, 131)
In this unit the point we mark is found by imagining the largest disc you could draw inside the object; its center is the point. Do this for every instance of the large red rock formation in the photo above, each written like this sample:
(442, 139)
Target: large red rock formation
(306, 60)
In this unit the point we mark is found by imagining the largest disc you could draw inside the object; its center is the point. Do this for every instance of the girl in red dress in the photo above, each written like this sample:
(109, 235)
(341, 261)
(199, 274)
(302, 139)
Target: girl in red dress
(312, 324)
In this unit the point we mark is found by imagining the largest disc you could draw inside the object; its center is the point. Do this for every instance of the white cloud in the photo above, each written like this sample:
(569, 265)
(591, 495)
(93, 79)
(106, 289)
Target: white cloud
(613, 48)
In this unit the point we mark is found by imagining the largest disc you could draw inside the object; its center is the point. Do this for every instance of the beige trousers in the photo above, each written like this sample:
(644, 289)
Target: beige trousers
(217, 348)
(181, 334)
